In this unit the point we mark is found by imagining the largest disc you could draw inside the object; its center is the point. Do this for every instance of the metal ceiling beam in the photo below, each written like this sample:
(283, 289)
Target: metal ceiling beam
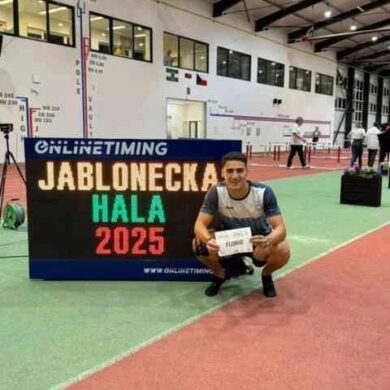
(331, 41)
(348, 34)
(220, 6)
(263, 23)
(371, 56)
(293, 36)
(373, 68)
(346, 52)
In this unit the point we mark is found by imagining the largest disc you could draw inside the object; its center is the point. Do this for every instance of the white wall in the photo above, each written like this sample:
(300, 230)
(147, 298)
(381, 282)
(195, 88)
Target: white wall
(127, 98)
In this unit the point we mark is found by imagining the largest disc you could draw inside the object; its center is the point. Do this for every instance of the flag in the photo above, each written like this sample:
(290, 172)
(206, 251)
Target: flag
(172, 74)
(200, 81)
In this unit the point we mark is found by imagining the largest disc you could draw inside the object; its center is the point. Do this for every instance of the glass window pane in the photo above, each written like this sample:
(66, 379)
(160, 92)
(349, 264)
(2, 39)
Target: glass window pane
(60, 24)
(186, 53)
(123, 38)
(261, 71)
(7, 17)
(32, 19)
(245, 67)
(293, 78)
(318, 83)
(279, 75)
(234, 64)
(222, 61)
(171, 48)
(306, 80)
(201, 57)
(100, 35)
(142, 43)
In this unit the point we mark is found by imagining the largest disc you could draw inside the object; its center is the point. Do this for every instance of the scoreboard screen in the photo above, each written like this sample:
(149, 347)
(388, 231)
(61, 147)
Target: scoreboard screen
(106, 209)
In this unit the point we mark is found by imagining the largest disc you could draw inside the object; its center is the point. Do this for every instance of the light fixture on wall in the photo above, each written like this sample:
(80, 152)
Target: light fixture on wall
(328, 12)
(277, 101)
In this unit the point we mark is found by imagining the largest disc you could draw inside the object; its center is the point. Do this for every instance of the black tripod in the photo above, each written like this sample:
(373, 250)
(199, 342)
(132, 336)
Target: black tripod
(7, 161)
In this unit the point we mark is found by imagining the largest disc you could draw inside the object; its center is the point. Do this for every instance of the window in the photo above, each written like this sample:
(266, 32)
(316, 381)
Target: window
(270, 72)
(324, 84)
(7, 17)
(300, 79)
(123, 38)
(340, 103)
(142, 43)
(185, 53)
(358, 100)
(99, 34)
(233, 64)
(120, 38)
(32, 19)
(201, 57)
(61, 24)
(46, 21)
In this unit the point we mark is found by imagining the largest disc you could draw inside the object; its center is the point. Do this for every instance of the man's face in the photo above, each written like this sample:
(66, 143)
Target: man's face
(235, 174)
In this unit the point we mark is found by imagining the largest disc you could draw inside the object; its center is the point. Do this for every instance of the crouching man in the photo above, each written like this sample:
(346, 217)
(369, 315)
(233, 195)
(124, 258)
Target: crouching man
(235, 203)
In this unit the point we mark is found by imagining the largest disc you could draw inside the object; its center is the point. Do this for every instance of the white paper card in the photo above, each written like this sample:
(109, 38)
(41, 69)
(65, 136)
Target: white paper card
(234, 241)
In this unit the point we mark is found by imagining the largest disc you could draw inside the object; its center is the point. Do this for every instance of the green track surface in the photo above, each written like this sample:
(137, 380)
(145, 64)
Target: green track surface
(51, 332)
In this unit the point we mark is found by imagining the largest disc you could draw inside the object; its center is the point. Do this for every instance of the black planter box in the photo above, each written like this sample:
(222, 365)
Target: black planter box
(361, 190)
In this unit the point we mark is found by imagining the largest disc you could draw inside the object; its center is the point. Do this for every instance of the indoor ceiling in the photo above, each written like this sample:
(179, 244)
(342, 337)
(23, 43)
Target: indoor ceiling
(364, 23)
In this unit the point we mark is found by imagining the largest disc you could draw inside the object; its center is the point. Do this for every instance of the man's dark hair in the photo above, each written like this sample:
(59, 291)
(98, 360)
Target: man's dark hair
(234, 156)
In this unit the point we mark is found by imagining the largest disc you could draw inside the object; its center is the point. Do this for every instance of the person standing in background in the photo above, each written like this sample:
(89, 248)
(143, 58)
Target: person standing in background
(383, 147)
(169, 58)
(372, 143)
(356, 136)
(297, 142)
(316, 136)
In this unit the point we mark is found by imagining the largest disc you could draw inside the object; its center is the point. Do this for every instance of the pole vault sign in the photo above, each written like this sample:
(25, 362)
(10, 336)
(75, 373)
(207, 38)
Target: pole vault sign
(105, 209)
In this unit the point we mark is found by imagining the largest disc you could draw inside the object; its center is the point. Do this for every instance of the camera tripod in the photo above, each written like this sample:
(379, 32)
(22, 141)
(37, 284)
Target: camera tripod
(8, 158)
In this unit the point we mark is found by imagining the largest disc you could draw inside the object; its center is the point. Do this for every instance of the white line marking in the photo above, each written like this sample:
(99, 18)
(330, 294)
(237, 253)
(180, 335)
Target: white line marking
(197, 317)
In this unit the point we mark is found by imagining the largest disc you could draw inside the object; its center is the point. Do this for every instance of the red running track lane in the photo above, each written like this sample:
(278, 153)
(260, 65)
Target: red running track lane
(328, 329)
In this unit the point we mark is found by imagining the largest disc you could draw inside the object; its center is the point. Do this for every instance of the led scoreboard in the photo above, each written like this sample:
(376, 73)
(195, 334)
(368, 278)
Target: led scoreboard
(106, 209)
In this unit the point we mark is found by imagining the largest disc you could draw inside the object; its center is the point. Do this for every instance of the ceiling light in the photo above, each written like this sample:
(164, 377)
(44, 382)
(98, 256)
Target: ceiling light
(6, 2)
(60, 24)
(353, 27)
(51, 11)
(328, 13)
(119, 27)
(96, 18)
(374, 38)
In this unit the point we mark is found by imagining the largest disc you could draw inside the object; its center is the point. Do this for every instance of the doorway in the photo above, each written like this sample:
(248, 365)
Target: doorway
(185, 119)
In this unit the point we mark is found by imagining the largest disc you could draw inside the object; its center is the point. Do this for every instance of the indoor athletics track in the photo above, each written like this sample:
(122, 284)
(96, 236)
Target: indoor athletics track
(327, 329)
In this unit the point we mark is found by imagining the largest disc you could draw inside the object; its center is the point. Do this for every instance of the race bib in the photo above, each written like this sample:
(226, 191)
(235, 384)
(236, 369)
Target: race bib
(234, 241)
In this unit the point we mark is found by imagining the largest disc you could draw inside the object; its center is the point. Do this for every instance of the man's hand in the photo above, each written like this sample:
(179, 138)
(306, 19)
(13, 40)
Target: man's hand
(262, 241)
(212, 246)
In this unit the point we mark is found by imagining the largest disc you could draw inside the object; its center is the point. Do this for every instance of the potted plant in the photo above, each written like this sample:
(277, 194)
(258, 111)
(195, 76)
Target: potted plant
(361, 187)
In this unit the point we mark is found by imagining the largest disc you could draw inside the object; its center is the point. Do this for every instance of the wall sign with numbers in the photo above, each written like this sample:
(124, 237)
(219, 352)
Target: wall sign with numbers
(117, 209)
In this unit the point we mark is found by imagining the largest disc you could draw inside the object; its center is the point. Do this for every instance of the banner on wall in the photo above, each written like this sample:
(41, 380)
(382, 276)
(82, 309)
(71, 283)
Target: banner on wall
(116, 209)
